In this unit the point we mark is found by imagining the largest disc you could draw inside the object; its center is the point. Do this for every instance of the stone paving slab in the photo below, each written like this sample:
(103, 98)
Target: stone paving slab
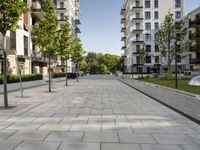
(185, 103)
(98, 113)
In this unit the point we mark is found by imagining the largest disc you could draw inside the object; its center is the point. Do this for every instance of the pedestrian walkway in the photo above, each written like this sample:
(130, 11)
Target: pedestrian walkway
(94, 114)
(185, 103)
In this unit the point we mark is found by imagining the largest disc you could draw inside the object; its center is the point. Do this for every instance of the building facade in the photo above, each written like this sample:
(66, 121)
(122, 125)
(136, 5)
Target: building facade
(21, 47)
(193, 24)
(140, 21)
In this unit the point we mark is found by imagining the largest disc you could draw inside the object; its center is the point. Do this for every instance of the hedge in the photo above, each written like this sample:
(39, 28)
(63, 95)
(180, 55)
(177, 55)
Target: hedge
(25, 78)
(60, 75)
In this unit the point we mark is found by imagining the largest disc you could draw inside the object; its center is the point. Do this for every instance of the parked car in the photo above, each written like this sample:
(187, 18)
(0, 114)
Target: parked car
(195, 81)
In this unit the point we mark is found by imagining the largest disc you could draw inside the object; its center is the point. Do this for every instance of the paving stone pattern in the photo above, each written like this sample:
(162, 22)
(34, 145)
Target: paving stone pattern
(98, 113)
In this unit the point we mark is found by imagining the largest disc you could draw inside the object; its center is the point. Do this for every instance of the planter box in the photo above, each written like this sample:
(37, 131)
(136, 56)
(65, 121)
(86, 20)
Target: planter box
(16, 86)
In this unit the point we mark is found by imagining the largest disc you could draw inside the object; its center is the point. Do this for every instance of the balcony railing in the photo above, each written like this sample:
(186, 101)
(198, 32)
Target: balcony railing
(136, 6)
(123, 29)
(123, 20)
(123, 11)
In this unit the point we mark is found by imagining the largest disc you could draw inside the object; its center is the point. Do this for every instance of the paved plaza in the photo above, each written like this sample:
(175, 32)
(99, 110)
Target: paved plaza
(98, 113)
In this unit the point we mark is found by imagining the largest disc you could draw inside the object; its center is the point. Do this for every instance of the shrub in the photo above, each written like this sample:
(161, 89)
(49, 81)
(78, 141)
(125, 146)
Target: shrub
(25, 78)
(60, 75)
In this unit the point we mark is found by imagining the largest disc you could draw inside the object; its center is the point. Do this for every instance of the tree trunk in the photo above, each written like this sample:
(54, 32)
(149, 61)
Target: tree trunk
(142, 71)
(66, 74)
(5, 73)
(49, 71)
(77, 67)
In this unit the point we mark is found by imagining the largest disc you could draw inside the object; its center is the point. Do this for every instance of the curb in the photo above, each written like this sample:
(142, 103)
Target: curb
(172, 108)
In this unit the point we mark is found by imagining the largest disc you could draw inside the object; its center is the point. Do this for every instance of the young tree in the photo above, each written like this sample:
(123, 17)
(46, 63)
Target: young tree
(142, 54)
(77, 53)
(64, 43)
(45, 33)
(10, 13)
(171, 40)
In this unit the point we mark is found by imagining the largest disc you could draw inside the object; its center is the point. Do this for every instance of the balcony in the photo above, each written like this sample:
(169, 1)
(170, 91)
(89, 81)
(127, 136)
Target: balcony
(195, 61)
(37, 9)
(137, 40)
(77, 30)
(136, 6)
(77, 21)
(123, 20)
(61, 9)
(123, 29)
(136, 29)
(123, 38)
(123, 11)
(123, 47)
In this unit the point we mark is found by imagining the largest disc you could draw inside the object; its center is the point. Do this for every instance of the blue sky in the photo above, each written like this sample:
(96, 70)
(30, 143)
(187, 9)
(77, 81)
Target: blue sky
(101, 24)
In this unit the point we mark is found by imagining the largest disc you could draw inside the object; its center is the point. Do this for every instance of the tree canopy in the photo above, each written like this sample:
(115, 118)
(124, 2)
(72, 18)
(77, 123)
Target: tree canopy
(95, 63)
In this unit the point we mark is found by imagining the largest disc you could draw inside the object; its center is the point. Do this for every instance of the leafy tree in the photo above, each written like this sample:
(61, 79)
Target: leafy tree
(45, 32)
(64, 43)
(171, 39)
(10, 13)
(142, 57)
(77, 53)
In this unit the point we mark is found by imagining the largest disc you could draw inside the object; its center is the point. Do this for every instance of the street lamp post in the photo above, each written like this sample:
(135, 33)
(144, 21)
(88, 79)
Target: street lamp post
(176, 67)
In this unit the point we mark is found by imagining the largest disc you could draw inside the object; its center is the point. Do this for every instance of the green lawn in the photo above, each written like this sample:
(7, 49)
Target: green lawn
(171, 83)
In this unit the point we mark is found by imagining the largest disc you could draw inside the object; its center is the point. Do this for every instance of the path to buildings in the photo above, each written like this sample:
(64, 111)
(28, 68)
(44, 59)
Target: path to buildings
(189, 105)
(98, 113)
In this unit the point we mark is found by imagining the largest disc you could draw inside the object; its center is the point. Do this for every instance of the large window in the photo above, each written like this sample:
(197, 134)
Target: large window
(147, 26)
(61, 4)
(156, 26)
(137, 48)
(137, 4)
(155, 3)
(156, 48)
(178, 14)
(25, 46)
(147, 15)
(156, 15)
(177, 3)
(147, 4)
(62, 16)
(148, 37)
(148, 48)
(148, 59)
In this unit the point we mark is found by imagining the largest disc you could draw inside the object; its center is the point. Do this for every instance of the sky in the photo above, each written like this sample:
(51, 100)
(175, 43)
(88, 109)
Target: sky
(100, 24)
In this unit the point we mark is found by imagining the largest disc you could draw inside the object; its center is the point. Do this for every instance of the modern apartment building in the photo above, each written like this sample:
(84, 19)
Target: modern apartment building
(22, 41)
(193, 24)
(140, 21)
(71, 8)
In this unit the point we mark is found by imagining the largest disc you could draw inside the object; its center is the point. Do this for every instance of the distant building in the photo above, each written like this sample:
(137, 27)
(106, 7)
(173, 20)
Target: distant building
(140, 20)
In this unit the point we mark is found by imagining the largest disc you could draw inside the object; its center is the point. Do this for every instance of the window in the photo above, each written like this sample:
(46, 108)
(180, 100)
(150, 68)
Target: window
(137, 26)
(147, 4)
(178, 14)
(156, 16)
(177, 3)
(156, 26)
(147, 15)
(156, 48)
(25, 46)
(147, 26)
(61, 4)
(62, 16)
(155, 3)
(179, 59)
(137, 4)
(137, 37)
(148, 37)
(157, 59)
(137, 48)
(148, 59)
(137, 14)
(13, 40)
(148, 48)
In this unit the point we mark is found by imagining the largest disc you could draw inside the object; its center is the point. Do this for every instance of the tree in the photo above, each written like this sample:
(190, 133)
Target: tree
(64, 43)
(10, 13)
(142, 54)
(77, 53)
(45, 33)
(171, 40)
